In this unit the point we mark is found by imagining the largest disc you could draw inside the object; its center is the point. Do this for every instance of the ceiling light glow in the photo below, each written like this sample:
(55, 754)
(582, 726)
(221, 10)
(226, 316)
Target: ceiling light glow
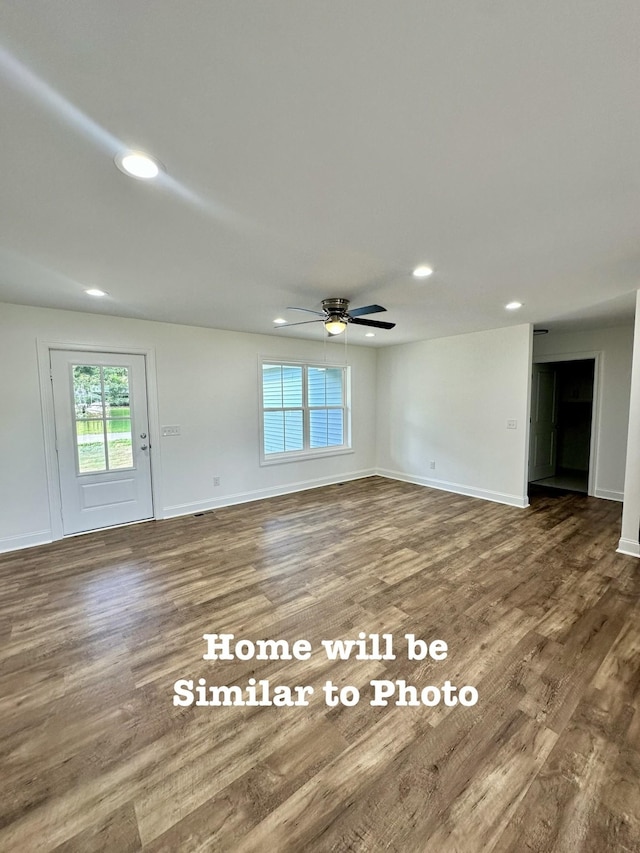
(137, 164)
(513, 306)
(95, 291)
(335, 325)
(279, 321)
(422, 272)
(370, 334)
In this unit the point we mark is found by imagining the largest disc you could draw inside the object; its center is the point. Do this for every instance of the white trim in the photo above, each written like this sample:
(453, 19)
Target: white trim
(596, 406)
(566, 356)
(609, 495)
(314, 362)
(293, 456)
(49, 436)
(153, 411)
(520, 501)
(43, 349)
(630, 547)
(261, 494)
(25, 540)
(631, 504)
(527, 431)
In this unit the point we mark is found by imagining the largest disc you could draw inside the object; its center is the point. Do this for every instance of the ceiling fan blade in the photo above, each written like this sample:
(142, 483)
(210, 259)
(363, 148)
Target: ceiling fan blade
(377, 324)
(302, 323)
(293, 308)
(366, 309)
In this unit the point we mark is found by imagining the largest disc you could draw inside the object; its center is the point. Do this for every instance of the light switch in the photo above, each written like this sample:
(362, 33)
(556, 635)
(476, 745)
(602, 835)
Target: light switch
(170, 430)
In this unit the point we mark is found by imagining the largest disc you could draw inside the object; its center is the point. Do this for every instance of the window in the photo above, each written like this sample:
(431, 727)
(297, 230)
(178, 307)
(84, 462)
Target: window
(304, 410)
(102, 418)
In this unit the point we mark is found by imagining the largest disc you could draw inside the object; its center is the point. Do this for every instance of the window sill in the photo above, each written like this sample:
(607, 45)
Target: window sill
(302, 456)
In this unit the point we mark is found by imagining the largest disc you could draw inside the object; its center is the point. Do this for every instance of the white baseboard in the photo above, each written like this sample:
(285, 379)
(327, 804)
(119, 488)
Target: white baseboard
(261, 494)
(520, 501)
(630, 547)
(609, 495)
(25, 540)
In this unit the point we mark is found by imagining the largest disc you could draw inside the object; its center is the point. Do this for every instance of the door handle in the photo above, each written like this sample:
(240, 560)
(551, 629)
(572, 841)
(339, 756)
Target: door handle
(143, 447)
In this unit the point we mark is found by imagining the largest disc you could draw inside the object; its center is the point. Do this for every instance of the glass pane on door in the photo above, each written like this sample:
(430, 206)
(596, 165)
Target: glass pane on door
(89, 411)
(118, 420)
(102, 418)
(91, 454)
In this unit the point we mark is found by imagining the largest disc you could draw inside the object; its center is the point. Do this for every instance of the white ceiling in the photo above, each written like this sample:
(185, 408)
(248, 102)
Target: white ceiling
(319, 149)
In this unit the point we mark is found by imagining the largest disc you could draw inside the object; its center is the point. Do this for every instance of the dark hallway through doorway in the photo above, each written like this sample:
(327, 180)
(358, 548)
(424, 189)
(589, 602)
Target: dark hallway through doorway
(565, 401)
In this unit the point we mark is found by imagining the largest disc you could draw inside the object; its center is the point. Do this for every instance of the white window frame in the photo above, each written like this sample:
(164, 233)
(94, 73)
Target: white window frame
(307, 451)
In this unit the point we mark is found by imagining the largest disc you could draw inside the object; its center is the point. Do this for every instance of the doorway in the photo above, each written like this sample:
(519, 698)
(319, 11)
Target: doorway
(102, 438)
(562, 402)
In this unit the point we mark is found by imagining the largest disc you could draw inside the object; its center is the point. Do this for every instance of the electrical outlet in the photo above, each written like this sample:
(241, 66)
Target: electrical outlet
(432, 464)
(216, 481)
(512, 424)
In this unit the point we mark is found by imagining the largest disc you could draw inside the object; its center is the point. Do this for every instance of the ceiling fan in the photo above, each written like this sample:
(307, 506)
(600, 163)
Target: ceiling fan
(335, 315)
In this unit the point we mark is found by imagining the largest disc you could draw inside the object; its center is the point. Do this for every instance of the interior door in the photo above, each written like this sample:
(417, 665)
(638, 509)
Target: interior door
(544, 407)
(102, 439)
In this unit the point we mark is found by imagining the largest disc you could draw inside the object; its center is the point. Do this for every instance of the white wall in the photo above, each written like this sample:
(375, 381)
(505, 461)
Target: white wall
(630, 533)
(207, 381)
(615, 346)
(448, 400)
(445, 400)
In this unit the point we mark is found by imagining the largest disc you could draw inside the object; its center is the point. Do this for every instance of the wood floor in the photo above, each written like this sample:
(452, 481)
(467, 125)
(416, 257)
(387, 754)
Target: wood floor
(540, 615)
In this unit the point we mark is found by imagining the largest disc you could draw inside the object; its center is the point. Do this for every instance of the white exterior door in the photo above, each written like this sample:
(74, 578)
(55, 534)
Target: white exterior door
(544, 408)
(102, 439)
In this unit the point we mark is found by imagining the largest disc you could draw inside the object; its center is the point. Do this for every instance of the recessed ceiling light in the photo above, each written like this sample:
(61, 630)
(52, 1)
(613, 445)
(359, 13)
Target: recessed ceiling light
(369, 334)
(422, 272)
(95, 291)
(279, 320)
(137, 164)
(513, 306)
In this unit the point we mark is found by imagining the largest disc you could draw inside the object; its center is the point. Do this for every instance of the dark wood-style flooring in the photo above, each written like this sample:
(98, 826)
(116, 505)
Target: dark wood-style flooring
(539, 613)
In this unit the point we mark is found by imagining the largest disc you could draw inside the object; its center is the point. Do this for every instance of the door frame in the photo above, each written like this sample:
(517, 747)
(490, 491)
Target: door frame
(598, 357)
(49, 428)
(532, 428)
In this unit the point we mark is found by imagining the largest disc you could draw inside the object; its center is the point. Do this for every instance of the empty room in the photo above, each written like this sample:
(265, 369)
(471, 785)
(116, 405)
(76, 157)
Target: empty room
(319, 426)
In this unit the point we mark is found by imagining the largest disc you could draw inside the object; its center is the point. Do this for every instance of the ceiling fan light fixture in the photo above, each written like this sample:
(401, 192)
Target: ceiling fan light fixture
(336, 316)
(335, 325)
